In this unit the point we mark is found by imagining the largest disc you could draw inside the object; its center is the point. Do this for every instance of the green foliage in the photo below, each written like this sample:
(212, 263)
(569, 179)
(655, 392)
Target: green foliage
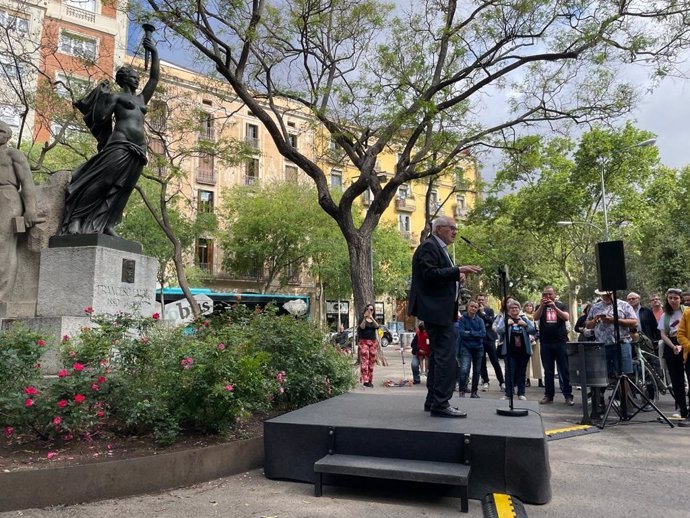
(132, 375)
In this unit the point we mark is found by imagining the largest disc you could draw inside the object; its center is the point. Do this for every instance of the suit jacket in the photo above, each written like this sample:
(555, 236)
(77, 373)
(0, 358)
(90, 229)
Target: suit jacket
(433, 288)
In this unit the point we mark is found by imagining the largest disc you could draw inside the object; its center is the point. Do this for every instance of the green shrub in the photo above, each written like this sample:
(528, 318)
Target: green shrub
(131, 375)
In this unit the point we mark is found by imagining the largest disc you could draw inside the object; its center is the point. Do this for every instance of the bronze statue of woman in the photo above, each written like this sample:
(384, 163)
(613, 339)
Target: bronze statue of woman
(99, 189)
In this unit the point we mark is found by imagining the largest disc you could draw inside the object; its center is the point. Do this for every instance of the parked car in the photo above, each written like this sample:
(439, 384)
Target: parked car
(388, 337)
(346, 339)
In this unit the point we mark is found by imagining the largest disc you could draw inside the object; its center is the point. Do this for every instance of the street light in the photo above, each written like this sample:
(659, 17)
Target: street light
(602, 170)
(571, 223)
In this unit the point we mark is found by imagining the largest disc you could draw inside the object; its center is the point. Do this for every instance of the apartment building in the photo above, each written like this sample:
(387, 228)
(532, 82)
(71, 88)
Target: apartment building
(61, 46)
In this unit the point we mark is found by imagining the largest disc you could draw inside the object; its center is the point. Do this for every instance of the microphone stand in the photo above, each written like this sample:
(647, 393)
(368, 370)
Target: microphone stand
(503, 280)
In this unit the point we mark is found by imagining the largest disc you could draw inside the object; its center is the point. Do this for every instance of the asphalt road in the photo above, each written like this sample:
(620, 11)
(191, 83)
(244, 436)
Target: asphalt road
(637, 468)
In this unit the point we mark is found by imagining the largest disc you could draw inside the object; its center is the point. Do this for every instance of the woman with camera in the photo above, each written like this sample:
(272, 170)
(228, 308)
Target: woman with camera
(367, 345)
(516, 347)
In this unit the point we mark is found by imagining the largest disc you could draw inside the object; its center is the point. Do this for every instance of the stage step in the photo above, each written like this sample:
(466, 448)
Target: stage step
(396, 469)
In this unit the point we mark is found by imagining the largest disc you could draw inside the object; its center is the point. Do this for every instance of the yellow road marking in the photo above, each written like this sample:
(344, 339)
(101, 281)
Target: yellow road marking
(567, 429)
(504, 506)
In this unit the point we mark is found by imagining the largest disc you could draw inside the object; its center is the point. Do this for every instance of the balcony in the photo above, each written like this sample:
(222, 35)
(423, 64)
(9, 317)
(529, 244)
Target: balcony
(206, 176)
(80, 14)
(406, 234)
(207, 134)
(405, 204)
(252, 142)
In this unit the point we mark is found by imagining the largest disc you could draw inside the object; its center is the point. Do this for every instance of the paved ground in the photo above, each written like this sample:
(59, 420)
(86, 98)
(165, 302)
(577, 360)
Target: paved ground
(640, 468)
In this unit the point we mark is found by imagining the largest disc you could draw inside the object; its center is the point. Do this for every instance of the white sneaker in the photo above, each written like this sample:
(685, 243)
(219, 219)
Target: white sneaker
(504, 398)
(485, 387)
(522, 398)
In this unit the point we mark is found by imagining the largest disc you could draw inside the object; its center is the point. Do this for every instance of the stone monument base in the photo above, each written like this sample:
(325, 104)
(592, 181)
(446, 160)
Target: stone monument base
(104, 273)
(14, 309)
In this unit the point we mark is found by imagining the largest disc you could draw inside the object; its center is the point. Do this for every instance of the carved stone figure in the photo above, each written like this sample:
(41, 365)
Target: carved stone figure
(100, 188)
(17, 207)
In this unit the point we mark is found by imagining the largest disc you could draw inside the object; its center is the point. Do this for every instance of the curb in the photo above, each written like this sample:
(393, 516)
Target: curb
(120, 478)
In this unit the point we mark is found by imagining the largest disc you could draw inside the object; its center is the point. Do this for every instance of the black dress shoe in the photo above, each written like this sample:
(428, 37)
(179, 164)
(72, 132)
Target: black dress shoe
(447, 412)
(427, 407)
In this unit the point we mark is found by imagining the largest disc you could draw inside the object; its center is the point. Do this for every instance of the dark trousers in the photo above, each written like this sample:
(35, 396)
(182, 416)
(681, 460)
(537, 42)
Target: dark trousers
(555, 354)
(674, 362)
(490, 349)
(515, 369)
(440, 381)
(469, 357)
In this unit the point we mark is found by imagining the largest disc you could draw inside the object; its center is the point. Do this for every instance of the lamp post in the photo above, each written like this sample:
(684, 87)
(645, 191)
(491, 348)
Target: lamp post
(571, 223)
(602, 170)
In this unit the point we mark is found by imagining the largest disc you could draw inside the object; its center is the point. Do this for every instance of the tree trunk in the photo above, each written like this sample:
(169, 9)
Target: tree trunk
(359, 249)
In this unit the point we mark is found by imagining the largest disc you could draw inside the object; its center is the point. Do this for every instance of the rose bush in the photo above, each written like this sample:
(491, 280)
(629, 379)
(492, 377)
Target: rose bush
(139, 376)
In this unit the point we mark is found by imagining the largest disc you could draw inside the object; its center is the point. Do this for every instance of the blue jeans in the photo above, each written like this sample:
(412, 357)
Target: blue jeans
(415, 368)
(555, 354)
(515, 369)
(612, 359)
(475, 357)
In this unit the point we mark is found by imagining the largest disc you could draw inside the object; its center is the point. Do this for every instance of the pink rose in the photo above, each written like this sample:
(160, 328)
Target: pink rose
(156, 316)
(41, 343)
(221, 346)
(62, 373)
(51, 455)
(62, 403)
(78, 367)
(95, 386)
(229, 387)
(72, 354)
(29, 402)
(57, 421)
(79, 398)
(101, 379)
(88, 310)
(9, 431)
(65, 338)
(31, 391)
(100, 413)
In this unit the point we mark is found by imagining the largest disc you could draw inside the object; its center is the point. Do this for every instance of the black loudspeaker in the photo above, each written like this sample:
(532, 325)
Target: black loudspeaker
(611, 266)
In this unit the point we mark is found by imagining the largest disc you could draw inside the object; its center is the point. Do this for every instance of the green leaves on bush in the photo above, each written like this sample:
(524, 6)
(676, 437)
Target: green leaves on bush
(131, 375)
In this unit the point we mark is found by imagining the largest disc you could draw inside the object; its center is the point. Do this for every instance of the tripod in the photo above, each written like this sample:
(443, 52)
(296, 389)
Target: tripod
(623, 385)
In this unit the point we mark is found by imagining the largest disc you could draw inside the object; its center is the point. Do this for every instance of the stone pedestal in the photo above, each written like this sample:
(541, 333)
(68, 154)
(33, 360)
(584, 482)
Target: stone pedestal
(103, 273)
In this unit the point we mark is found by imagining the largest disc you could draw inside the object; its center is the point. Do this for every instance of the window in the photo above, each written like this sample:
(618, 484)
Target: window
(291, 172)
(12, 22)
(71, 130)
(460, 200)
(292, 140)
(78, 46)
(11, 115)
(157, 115)
(403, 192)
(11, 68)
(205, 201)
(157, 159)
(252, 135)
(251, 172)
(404, 223)
(434, 205)
(206, 129)
(86, 5)
(336, 179)
(69, 87)
(204, 254)
(292, 273)
(205, 172)
(332, 145)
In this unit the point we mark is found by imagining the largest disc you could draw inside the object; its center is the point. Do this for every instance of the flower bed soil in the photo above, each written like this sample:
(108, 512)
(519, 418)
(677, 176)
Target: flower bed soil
(22, 454)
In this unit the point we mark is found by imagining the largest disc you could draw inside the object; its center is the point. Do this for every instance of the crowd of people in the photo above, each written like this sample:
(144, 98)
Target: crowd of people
(532, 338)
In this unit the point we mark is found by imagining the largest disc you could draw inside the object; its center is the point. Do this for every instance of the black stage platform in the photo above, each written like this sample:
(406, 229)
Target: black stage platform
(507, 454)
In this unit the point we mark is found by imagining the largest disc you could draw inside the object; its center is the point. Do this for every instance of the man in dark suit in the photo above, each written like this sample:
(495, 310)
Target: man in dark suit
(433, 299)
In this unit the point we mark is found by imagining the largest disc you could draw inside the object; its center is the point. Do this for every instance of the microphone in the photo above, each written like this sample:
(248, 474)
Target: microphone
(466, 240)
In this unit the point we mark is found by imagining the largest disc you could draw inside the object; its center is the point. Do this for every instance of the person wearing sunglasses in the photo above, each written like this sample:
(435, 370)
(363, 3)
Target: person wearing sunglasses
(433, 298)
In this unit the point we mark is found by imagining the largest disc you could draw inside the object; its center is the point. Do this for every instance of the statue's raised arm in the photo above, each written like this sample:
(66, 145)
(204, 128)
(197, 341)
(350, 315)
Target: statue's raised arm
(154, 75)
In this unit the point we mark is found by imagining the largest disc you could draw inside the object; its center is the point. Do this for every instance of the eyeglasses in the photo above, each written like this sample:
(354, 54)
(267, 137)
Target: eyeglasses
(451, 227)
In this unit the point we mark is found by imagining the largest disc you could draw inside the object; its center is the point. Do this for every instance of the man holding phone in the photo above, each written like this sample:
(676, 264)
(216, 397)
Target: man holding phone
(553, 335)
